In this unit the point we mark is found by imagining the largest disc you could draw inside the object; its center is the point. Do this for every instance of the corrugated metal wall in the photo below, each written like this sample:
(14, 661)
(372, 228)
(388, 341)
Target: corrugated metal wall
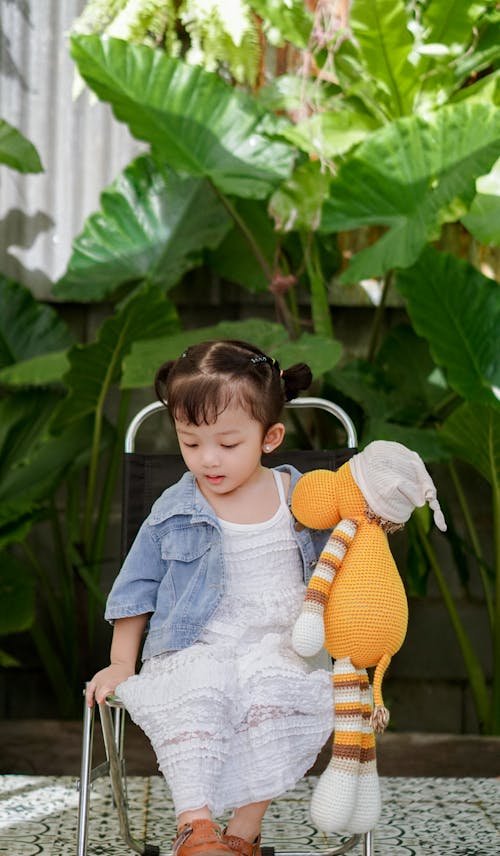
(81, 145)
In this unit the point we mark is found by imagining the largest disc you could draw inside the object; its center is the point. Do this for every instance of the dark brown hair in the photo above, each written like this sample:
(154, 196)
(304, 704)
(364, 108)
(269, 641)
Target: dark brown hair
(209, 376)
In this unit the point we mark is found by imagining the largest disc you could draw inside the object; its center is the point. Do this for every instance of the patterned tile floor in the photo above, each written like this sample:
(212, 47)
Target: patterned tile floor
(421, 817)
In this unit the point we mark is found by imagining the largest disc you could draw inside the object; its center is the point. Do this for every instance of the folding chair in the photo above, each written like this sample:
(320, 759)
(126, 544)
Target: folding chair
(145, 477)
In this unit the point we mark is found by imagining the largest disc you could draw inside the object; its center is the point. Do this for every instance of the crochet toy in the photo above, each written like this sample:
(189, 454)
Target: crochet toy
(356, 607)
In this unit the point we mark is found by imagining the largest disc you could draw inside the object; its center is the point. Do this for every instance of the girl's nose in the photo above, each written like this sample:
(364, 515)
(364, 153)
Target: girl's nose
(210, 457)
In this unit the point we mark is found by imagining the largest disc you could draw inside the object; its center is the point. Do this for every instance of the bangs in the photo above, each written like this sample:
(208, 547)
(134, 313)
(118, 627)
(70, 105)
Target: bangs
(200, 399)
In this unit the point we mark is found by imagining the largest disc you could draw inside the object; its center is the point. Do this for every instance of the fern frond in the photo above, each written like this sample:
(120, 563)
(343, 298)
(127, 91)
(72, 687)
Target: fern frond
(223, 37)
(97, 16)
(145, 22)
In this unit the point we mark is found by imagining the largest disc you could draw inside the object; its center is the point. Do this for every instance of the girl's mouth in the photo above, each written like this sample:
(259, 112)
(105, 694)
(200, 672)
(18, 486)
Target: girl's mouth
(214, 479)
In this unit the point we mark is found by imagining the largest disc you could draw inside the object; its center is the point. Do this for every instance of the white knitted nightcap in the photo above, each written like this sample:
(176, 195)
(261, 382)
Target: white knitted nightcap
(394, 481)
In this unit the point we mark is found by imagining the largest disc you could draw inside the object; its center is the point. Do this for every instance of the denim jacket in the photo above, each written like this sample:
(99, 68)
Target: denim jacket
(175, 567)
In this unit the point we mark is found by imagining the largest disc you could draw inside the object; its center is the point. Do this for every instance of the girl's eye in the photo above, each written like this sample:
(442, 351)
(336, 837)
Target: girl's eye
(190, 445)
(229, 445)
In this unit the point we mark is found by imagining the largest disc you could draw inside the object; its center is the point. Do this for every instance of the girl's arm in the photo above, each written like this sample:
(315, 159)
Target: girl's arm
(127, 637)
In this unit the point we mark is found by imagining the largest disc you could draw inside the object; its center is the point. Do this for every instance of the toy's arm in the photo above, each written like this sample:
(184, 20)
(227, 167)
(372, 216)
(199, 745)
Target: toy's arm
(309, 630)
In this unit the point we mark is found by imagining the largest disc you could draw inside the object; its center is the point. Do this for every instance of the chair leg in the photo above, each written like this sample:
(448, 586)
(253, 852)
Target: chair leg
(115, 772)
(84, 786)
(368, 844)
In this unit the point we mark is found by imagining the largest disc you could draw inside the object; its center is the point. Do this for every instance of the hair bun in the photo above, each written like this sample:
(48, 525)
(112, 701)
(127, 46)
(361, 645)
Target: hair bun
(296, 379)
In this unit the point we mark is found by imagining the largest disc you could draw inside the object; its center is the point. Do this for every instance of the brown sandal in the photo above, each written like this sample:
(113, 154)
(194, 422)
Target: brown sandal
(200, 838)
(240, 846)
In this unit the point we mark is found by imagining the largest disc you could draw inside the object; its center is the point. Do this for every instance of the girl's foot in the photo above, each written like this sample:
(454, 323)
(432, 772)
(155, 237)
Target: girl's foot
(240, 846)
(200, 838)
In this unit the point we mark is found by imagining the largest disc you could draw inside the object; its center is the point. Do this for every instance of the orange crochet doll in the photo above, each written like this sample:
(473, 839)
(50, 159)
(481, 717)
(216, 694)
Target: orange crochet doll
(356, 607)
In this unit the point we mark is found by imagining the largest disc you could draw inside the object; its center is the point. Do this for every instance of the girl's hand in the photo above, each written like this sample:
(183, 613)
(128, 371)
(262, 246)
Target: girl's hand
(105, 682)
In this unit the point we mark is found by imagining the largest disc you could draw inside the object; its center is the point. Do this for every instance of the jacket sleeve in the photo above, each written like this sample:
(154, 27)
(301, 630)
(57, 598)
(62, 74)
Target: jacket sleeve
(135, 589)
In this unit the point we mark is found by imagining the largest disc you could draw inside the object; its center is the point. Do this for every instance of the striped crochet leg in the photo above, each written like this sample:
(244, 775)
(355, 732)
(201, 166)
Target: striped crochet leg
(368, 801)
(334, 797)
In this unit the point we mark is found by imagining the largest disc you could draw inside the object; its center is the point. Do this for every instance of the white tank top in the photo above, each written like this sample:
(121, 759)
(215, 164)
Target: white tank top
(264, 580)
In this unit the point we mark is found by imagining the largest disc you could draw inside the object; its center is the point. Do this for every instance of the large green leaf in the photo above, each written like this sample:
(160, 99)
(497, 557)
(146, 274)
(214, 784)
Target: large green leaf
(449, 54)
(32, 462)
(483, 58)
(16, 151)
(153, 225)
(24, 417)
(450, 22)
(94, 368)
(329, 134)
(360, 87)
(457, 310)
(297, 203)
(483, 218)
(28, 328)
(417, 386)
(319, 353)
(37, 371)
(17, 596)
(193, 120)
(412, 176)
(380, 28)
(472, 433)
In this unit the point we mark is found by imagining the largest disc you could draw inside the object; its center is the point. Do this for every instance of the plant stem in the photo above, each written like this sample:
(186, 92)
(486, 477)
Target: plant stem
(475, 543)
(379, 317)
(109, 484)
(47, 594)
(322, 322)
(55, 670)
(96, 447)
(247, 234)
(472, 664)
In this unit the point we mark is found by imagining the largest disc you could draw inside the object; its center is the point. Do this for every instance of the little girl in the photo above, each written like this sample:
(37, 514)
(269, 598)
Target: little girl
(218, 573)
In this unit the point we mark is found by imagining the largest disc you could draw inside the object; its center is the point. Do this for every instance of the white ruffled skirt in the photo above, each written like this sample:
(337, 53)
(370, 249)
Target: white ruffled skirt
(231, 724)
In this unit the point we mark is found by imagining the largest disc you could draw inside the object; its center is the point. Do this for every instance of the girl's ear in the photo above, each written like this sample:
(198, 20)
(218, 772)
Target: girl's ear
(273, 437)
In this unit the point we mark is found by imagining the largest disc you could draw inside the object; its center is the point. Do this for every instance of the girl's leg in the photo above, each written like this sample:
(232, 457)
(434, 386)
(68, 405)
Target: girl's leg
(199, 835)
(244, 828)
(188, 816)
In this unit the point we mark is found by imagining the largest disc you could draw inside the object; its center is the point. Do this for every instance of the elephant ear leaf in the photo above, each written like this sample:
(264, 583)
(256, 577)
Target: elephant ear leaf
(94, 368)
(412, 176)
(17, 596)
(28, 328)
(193, 120)
(16, 151)
(462, 328)
(153, 225)
(472, 433)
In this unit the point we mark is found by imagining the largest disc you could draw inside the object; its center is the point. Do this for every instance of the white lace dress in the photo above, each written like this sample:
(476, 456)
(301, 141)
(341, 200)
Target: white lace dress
(238, 717)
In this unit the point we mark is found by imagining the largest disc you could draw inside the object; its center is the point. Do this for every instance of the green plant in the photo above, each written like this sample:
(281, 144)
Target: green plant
(378, 140)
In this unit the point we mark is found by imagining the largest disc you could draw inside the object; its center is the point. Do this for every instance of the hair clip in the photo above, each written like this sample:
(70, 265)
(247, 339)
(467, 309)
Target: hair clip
(259, 359)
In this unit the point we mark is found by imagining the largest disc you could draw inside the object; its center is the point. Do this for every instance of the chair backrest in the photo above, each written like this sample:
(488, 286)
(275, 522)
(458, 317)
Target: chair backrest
(146, 476)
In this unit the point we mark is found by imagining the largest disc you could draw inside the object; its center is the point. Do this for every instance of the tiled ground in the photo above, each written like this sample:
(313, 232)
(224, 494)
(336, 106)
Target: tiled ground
(421, 817)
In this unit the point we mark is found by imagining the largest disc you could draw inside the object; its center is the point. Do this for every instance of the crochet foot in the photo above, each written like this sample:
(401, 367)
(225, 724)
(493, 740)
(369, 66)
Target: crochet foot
(334, 798)
(368, 806)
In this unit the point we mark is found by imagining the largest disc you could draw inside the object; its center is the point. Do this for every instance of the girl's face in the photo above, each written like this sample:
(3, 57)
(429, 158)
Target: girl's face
(225, 455)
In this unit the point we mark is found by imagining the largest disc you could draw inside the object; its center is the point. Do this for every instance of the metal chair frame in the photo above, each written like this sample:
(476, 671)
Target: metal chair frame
(112, 711)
